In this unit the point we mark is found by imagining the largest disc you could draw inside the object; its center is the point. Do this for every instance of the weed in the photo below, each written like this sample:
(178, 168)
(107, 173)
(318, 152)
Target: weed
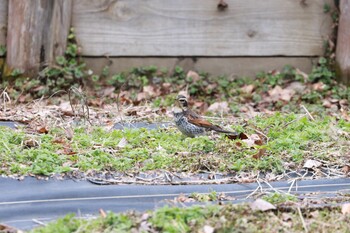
(212, 196)
(2, 50)
(278, 198)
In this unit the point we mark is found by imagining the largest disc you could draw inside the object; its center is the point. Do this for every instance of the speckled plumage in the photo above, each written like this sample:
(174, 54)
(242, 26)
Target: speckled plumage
(190, 123)
(188, 129)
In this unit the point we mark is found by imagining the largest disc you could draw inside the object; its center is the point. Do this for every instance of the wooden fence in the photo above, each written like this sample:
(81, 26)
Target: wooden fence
(246, 37)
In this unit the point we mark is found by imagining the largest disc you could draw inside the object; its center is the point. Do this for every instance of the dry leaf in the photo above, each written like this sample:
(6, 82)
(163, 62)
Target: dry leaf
(296, 86)
(250, 142)
(123, 142)
(58, 140)
(141, 96)
(301, 73)
(241, 136)
(219, 107)
(193, 75)
(30, 143)
(108, 91)
(69, 133)
(277, 93)
(262, 205)
(326, 103)
(248, 89)
(345, 209)
(208, 229)
(346, 169)
(42, 129)
(320, 86)
(182, 198)
(312, 164)
(7, 229)
(131, 113)
(151, 91)
(66, 108)
(260, 153)
(68, 151)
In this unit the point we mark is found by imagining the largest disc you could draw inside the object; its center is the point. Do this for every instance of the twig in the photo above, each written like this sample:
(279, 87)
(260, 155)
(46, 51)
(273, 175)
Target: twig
(302, 219)
(259, 132)
(39, 222)
(6, 98)
(83, 103)
(308, 113)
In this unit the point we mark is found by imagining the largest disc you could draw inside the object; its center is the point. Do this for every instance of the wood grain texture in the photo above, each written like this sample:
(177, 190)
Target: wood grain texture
(198, 28)
(343, 42)
(3, 21)
(236, 66)
(37, 32)
(58, 30)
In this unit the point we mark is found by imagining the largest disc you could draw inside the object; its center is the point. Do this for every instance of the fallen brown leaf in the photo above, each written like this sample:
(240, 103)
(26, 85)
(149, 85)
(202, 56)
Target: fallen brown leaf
(260, 153)
(42, 129)
(241, 136)
(122, 143)
(7, 229)
(219, 107)
(193, 76)
(107, 91)
(208, 229)
(30, 143)
(151, 91)
(318, 86)
(248, 89)
(310, 163)
(345, 209)
(141, 96)
(345, 169)
(262, 205)
(277, 93)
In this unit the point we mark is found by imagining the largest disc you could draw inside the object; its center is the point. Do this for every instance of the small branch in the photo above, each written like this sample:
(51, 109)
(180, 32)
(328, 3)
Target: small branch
(302, 219)
(308, 113)
(39, 222)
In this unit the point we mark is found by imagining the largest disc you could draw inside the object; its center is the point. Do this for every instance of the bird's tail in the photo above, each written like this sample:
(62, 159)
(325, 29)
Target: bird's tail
(221, 130)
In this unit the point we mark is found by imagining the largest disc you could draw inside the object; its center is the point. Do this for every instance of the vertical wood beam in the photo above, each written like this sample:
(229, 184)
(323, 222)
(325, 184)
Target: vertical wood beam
(37, 33)
(343, 43)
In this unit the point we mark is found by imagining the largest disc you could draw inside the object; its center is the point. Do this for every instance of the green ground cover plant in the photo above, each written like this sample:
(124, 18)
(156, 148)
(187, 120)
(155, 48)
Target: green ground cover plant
(209, 218)
(290, 139)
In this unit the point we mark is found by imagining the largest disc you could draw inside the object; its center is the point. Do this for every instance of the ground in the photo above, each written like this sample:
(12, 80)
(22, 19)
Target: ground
(289, 122)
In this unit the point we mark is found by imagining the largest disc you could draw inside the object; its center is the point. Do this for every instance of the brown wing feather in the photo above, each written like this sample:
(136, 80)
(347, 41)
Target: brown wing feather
(196, 119)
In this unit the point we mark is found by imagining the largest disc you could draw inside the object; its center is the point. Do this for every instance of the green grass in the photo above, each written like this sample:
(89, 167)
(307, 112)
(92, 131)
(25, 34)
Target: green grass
(222, 218)
(291, 138)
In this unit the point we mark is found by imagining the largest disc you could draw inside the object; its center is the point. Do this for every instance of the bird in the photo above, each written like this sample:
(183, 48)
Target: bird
(190, 123)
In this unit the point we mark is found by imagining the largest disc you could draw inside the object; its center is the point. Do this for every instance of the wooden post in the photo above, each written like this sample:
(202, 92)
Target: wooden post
(37, 33)
(343, 42)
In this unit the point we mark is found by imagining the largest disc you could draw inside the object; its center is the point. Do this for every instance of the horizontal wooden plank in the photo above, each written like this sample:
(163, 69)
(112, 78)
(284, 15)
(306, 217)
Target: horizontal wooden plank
(198, 28)
(3, 21)
(237, 66)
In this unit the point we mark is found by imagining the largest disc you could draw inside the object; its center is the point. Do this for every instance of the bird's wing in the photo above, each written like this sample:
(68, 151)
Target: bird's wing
(195, 119)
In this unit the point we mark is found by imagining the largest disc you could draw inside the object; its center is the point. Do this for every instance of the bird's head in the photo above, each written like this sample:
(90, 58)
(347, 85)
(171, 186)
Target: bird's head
(182, 100)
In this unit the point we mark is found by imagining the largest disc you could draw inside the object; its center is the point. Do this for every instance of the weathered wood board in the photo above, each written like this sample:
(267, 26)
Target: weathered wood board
(343, 43)
(37, 32)
(3, 21)
(236, 66)
(198, 28)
